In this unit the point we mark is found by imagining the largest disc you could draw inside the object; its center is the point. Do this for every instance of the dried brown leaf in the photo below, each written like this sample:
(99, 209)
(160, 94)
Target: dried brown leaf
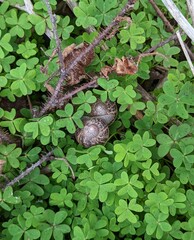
(70, 53)
(106, 70)
(125, 66)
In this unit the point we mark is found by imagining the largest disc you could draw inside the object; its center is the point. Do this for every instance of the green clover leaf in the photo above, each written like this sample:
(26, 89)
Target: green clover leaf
(39, 22)
(41, 126)
(100, 186)
(135, 35)
(11, 154)
(108, 88)
(34, 182)
(159, 201)
(54, 227)
(105, 11)
(19, 24)
(23, 81)
(27, 49)
(84, 100)
(6, 62)
(4, 44)
(69, 119)
(64, 28)
(3, 9)
(158, 224)
(129, 185)
(61, 199)
(83, 14)
(89, 157)
(19, 230)
(125, 210)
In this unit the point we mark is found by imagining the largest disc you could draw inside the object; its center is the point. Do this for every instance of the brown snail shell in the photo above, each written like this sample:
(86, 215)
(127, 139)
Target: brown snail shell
(105, 111)
(95, 131)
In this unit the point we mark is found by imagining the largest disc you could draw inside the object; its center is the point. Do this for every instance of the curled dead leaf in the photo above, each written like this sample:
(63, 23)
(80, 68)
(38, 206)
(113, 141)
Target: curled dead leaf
(123, 66)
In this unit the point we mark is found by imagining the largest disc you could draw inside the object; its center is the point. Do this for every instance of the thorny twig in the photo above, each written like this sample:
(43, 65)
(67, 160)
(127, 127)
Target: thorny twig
(54, 26)
(30, 169)
(52, 101)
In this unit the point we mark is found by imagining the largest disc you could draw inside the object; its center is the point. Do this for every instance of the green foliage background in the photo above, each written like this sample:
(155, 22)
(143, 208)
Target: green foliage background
(139, 185)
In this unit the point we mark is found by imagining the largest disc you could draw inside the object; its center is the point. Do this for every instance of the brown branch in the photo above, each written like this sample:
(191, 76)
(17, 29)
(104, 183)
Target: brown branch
(161, 15)
(64, 72)
(145, 95)
(29, 170)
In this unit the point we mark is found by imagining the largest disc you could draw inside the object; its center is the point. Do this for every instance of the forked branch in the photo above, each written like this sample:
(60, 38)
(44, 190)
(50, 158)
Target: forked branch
(52, 101)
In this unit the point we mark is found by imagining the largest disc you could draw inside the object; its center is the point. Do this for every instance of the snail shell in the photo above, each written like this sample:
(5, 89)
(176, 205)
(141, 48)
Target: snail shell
(105, 111)
(95, 131)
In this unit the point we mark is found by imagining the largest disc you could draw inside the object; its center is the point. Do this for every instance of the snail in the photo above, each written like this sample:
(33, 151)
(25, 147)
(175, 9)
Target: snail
(106, 111)
(96, 130)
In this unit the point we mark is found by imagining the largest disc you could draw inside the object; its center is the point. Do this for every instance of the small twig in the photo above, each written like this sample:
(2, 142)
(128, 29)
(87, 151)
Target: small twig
(45, 68)
(145, 95)
(29, 103)
(178, 16)
(69, 166)
(53, 99)
(185, 52)
(54, 27)
(161, 44)
(29, 170)
(142, 55)
(161, 15)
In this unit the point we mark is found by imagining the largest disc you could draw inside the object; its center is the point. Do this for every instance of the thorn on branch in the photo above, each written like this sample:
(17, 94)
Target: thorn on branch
(30, 169)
